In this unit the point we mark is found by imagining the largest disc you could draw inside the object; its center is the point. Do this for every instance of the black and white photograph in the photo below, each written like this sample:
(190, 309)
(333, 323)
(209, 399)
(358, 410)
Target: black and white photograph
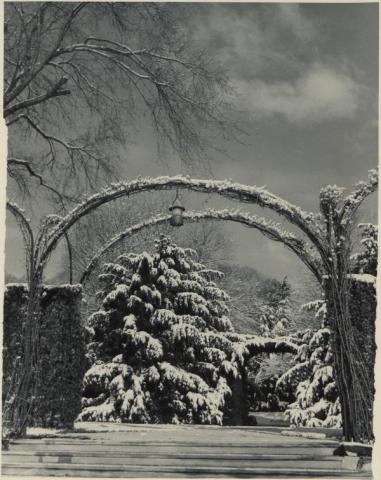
(190, 237)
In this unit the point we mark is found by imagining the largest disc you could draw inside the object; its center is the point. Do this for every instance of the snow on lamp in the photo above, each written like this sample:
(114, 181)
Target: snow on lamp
(177, 212)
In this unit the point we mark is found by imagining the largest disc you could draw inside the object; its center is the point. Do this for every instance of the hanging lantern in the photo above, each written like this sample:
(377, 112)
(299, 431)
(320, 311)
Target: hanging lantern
(177, 212)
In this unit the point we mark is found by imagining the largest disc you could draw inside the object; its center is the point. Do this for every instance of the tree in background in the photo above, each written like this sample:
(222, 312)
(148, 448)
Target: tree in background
(158, 349)
(276, 312)
(275, 320)
(91, 233)
(80, 76)
(245, 286)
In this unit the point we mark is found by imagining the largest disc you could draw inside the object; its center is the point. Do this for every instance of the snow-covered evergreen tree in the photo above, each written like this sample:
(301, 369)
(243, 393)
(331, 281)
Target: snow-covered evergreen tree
(158, 349)
(276, 314)
(365, 262)
(317, 403)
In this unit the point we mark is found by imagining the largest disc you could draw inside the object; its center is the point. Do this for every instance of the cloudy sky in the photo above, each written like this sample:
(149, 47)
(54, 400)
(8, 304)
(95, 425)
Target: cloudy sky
(306, 80)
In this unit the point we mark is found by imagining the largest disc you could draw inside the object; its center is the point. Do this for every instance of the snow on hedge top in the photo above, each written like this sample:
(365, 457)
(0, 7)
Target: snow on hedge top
(76, 288)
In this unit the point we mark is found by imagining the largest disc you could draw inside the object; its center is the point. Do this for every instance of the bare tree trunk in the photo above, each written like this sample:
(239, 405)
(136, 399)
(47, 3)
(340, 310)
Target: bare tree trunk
(238, 404)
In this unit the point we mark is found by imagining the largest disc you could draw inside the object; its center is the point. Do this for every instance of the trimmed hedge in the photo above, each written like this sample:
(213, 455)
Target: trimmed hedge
(62, 361)
(363, 307)
(362, 316)
(15, 299)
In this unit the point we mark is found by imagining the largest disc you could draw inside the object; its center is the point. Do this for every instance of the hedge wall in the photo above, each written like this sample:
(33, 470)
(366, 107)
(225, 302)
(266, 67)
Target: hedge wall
(62, 360)
(363, 307)
(362, 313)
(14, 310)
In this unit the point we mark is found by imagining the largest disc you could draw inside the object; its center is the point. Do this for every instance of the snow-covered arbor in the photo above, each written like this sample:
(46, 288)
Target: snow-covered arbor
(269, 228)
(324, 246)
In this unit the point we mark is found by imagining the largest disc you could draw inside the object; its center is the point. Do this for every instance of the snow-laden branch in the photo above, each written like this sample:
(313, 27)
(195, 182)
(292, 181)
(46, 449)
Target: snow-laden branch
(270, 345)
(254, 344)
(307, 222)
(113, 51)
(266, 227)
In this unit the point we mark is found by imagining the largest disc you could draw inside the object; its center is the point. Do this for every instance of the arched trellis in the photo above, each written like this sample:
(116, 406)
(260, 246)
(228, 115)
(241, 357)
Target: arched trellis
(328, 232)
(30, 243)
(269, 229)
(27, 234)
(308, 223)
(312, 225)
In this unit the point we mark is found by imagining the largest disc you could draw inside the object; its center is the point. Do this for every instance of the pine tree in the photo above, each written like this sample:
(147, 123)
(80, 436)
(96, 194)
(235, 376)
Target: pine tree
(158, 349)
(317, 403)
(276, 314)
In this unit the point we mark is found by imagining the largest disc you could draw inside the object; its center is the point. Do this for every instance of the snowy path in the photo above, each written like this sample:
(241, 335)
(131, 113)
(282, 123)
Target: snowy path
(115, 450)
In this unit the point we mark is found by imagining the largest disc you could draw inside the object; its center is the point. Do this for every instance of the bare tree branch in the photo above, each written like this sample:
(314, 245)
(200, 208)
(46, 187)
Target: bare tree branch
(25, 164)
(52, 53)
(54, 92)
(56, 65)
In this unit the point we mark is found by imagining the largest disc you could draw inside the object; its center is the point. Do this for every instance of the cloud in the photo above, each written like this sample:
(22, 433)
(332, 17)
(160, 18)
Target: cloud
(319, 94)
(248, 39)
(292, 18)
